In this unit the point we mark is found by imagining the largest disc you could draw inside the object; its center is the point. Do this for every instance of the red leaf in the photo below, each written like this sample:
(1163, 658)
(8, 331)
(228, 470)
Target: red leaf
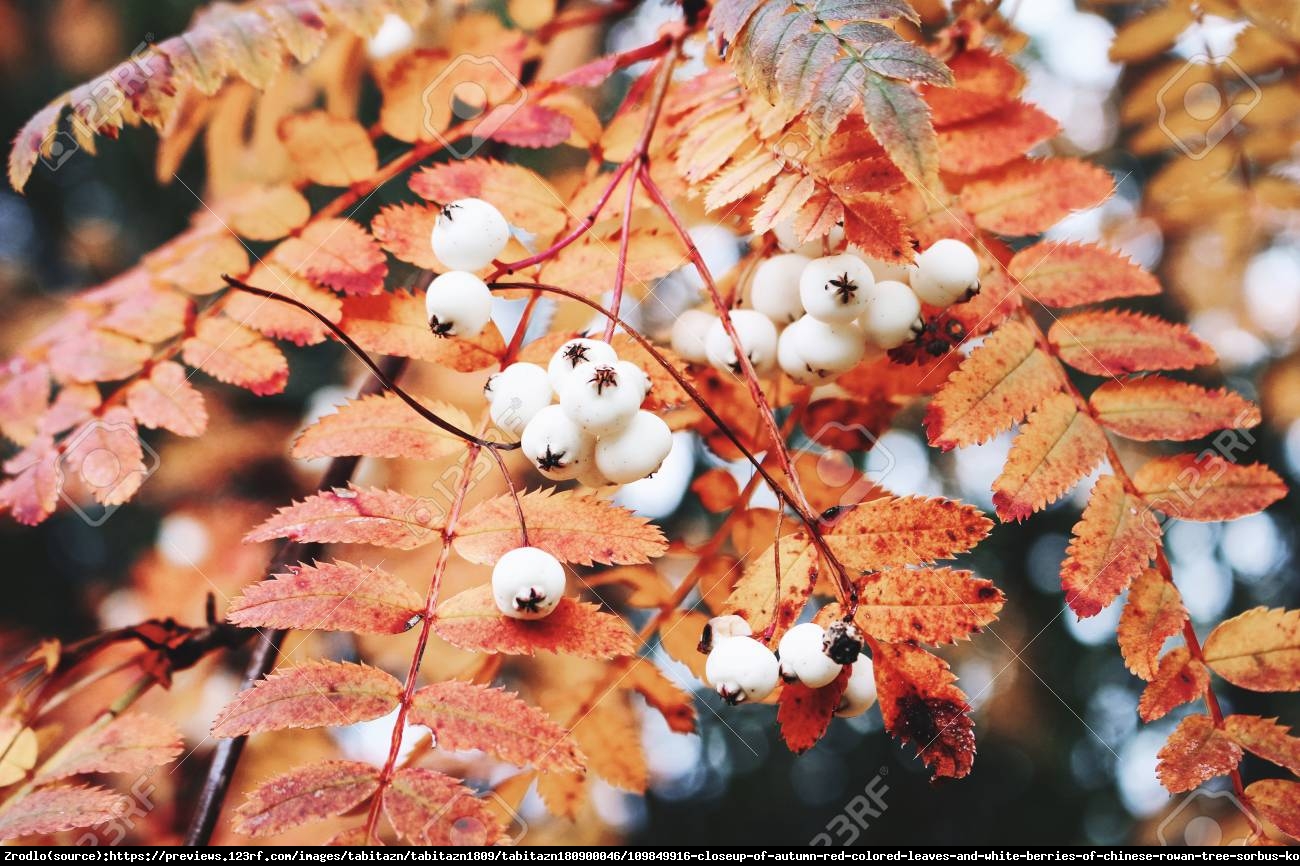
(405, 230)
(1115, 343)
(231, 353)
(1111, 545)
(983, 81)
(471, 621)
(921, 705)
(336, 596)
(929, 605)
(1180, 679)
(130, 743)
(574, 527)
(1031, 196)
(1154, 407)
(167, 399)
(60, 807)
(280, 320)
(337, 253)
(1068, 274)
(467, 716)
(1056, 447)
(428, 808)
(993, 139)
(532, 126)
(32, 494)
(524, 197)
(1196, 751)
(1207, 487)
(310, 793)
(24, 394)
(1278, 800)
(357, 515)
(1266, 738)
(394, 323)
(312, 695)
(1153, 613)
(97, 356)
(104, 458)
(804, 714)
(902, 531)
(381, 425)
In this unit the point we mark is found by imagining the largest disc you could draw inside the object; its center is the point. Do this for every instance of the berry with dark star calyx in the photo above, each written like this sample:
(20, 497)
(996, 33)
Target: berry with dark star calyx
(527, 583)
(835, 288)
(458, 304)
(469, 234)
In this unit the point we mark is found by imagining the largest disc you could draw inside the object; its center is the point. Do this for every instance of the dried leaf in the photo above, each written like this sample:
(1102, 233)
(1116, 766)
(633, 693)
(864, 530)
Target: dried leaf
(1266, 738)
(104, 456)
(524, 198)
(1180, 679)
(381, 425)
(922, 705)
(926, 605)
(1116, 343)
(1207, 487)
(166, 399)
(577, 528)
(311, 793)
(1153, 613)
(428, 808)
(467, 716)
(765, 601)
(394, 323)
(311, 695)
(60, 807)
(1278, 800)
(357, 515)
(993, 139)
(1257, 650)
(97, 356)
(1196, 751)
(1154, 408)
(1068, 274)
(130, 743)
(1111, 545)
(804, 714)
(404, 230)
(329, 150)
(471, 621)
(336, 596)
(264, 213)
(675, 705)
(1031, 196)
(231, 353)
(983, 81)
(1056, 447)
(901, 531)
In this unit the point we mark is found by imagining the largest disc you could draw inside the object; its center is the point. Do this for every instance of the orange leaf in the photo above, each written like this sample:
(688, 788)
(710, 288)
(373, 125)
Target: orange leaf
(356, 515)
(1056, 447)
(105, 458)
(983, 81)
(167, 399)
(1180, 679)
(903, 531)
(1153, 613)
(1278, 800)
(1257, 650)
(32, 494)
(231, 353)
(329, 150)
(280, 320)
(428, 808)
(1111, 545)
(394, 323)
(471, 621)
(1068, 274)
(589, 265)
(149, 314)
(467, 716)
(97, 356)
(381, 425)
(1207, 487)
(336, 253)
(532, 125)
(1266, 738)
(311, 695)
(609, 733)
(336, 596)
(130, 743)
(1196, 751)
(578, 528)
(994, 138)
(1154, 408)
(717, 489)
(24, 395)
(929, 605)
(405, 231)
(310, 793)
(872, 225)
(264, 213)
(804, 714)
(1031, 196)
(60, 807)
(995, 387)
(762, 599)
(524, 198)
(1115, 343)
(921, 705)
(675, 705)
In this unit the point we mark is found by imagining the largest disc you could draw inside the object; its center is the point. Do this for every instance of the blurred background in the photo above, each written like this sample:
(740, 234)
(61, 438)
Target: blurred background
(1062, 755)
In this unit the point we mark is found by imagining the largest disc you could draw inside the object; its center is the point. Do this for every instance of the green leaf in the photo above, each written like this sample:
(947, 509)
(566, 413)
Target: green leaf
(857, 10)
(906, 61)
(900, 121)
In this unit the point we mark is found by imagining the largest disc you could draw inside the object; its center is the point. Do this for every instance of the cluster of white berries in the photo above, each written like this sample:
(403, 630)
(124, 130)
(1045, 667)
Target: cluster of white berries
(597, 433)
(467, 236)
(741, 668)
(527, 583)
(814, 317)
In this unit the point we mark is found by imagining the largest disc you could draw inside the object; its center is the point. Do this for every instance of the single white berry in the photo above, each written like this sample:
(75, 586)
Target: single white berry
(458, 304)
(785, 239)
(835, 288)
(602, 398)
(468, 234)
(527, 583)
(635, 451)
(741, 669)
(883, 270)
(556, 445)
(516, 395)
(824, 349)
(803, 658)
(775, 290)
(945, 272)
(757, 336)
(892, 314)
(859, 690)
(579, 350)
(689, 334)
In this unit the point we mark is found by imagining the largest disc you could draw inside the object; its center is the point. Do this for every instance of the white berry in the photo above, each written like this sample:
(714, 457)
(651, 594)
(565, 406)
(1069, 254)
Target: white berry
(689, 334)
(825, 349)
(859, 690)
(527, 583)
(589, 474)
(516, 395)
(803, 658)
(757, 336)
(834, 288)
(892, 313)
(577, 351)
(468, 234)
(555, 444)
(785, 239)
(741, 669)
(883, 270)
(458, 304)
(775, 290)
(635, 451)
(602, 398)
(945, 272)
